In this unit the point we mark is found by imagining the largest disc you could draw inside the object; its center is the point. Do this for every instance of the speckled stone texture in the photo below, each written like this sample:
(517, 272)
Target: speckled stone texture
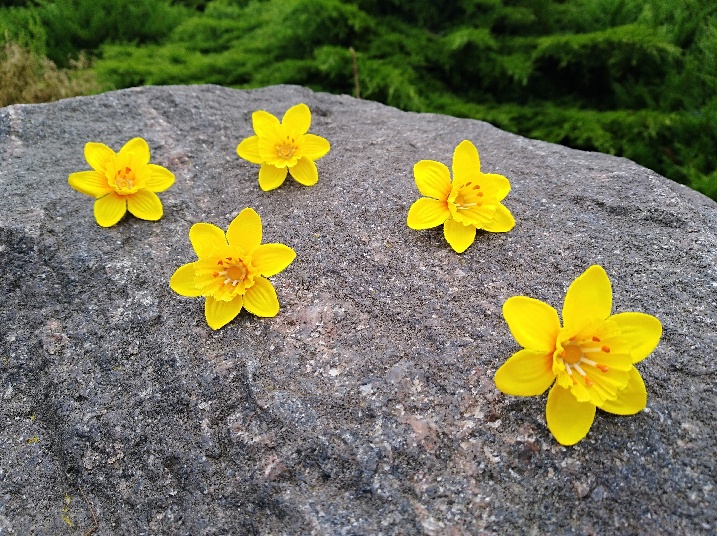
(367, 406)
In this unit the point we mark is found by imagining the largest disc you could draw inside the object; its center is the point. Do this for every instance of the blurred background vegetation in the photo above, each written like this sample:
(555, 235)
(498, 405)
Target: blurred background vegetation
(635, 78)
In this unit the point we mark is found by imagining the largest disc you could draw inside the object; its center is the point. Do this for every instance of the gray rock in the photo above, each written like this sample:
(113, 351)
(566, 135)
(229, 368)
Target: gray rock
(367, 406)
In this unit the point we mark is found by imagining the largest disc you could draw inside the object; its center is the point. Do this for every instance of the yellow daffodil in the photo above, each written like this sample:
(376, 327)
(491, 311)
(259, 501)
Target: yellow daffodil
(122, 181)
(284, 147)
(231, 270)
(470, 202)
(591, 357)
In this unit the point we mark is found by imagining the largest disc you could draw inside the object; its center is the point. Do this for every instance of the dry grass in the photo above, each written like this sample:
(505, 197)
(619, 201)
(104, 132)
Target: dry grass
(28, 78)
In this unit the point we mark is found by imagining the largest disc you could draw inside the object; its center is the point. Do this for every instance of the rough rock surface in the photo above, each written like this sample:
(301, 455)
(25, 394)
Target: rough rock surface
(367, 406)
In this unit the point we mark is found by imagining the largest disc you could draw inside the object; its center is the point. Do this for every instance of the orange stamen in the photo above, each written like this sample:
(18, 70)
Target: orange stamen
(595, 339)
(606, 349)
(588, 382)
(602, 367)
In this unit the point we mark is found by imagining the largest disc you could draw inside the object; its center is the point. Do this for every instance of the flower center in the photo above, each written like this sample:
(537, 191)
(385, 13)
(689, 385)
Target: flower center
(233, 271)
(468, 196)
(286, 149)
(124, 180)
(572, 354)
(574, 358)
(237, 272)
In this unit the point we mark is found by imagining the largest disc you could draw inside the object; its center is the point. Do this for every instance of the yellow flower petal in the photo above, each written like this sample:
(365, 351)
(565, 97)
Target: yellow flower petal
(264, 123)
(260, 299)
(480, 216)
(314, 147)
(145, 205)
(432, 179)
(495, 185)
(91, 183)
(298, 118)
(426, 213)
(206, 238)
(502, 220)
(270, 259)
(219, 313)
(534, 324)
(568, 420)
(248, 149)
(271, 177)
(110, 209)
(139, 148)
(466, 162)
(643, 331)
(525, 373)
(305, 172)
(588, 297)
(98, 155)
(245, 231)
(631, 399)
(159, 178)
(605, 385)
(459, 236)
(183, 281)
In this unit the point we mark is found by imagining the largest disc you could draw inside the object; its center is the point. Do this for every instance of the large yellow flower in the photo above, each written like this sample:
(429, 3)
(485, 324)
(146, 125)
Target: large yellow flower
(231, 270)
(471, 202)
(284, 147)
(122, 181)
(591, 357)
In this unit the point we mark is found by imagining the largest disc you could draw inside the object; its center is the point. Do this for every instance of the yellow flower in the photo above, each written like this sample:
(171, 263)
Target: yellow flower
(283, 147)
(231, 270)
(122, 181)
(471, 202)
(591, 357)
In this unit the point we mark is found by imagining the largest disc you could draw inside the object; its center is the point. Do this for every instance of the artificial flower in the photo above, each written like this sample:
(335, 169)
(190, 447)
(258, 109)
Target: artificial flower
(470, 202)
(122, 181)
(591, 357)
(284, 147)
(231, 269)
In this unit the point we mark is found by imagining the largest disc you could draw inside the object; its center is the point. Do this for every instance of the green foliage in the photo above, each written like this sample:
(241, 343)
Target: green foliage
(262, 43)
(71, 26)
(199, 5)
(636, 78)
(597, 63)
(23, 27)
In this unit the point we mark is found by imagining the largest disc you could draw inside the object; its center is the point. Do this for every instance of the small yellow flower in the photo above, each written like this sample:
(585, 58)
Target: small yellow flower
(231, 270)
(591, 357)
(284, 147)
(122, 181)
(471, 202)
